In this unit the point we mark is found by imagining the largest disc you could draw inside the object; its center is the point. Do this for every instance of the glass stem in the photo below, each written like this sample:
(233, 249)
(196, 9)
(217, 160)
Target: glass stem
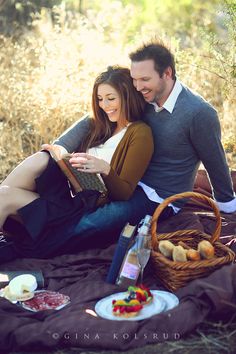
(141, 275)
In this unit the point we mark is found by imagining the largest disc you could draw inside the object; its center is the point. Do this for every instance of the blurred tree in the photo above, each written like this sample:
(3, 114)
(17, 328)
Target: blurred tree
(174, 18)
(15, 14)
(77, 5)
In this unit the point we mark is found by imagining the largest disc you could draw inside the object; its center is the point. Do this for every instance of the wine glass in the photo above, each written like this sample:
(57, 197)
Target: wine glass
(143, 252)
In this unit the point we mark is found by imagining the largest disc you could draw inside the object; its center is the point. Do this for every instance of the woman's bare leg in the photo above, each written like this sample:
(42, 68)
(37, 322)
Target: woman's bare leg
(24, 174)
(12, 199)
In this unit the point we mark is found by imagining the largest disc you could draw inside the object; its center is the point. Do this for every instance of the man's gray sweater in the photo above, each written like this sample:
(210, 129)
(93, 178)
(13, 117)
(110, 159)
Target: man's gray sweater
(182, 139)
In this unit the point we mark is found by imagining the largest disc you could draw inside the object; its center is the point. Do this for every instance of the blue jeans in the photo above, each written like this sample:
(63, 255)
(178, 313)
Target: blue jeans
(103, 226)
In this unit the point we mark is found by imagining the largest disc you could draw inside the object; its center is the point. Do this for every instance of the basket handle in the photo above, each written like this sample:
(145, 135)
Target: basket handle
(216, 234)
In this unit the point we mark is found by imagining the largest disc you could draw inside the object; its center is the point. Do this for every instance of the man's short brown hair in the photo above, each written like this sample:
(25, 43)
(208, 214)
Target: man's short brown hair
(159, 53)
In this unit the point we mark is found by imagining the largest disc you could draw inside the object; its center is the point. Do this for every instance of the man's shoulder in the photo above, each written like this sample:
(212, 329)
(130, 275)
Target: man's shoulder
(194, 100)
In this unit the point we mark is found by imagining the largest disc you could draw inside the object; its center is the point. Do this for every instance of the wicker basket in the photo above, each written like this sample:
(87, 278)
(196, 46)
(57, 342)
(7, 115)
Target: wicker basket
(176, 274)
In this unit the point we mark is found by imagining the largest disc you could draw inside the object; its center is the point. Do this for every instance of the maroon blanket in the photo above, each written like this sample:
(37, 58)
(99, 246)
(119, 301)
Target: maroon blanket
(82, 277)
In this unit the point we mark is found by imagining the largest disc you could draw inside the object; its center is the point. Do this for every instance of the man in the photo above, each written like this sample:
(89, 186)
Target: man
(186, 131)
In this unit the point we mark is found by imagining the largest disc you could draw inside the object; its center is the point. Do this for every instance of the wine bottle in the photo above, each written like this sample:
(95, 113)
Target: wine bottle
(130, 269)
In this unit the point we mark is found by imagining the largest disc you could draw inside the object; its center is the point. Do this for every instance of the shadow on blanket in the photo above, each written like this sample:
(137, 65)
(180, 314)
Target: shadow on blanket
(81, 276)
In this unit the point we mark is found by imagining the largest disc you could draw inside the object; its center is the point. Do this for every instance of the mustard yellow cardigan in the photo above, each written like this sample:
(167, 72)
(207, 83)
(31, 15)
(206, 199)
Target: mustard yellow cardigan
(129, 161)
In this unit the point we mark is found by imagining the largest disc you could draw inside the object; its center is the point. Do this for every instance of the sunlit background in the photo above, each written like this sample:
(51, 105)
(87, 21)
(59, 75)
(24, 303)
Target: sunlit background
(51, 51)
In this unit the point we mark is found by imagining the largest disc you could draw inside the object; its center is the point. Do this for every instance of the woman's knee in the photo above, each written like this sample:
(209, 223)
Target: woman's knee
(37, 162)
(24, 174)
(5, 196)
(5, 192)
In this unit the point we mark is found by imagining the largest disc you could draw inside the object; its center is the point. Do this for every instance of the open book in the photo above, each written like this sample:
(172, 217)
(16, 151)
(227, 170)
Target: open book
(78, 180)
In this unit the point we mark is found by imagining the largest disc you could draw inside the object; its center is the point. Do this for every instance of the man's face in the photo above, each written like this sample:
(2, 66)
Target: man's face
(148, 81)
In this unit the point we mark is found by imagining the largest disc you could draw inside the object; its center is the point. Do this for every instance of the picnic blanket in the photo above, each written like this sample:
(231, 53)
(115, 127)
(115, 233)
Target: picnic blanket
(82, 277)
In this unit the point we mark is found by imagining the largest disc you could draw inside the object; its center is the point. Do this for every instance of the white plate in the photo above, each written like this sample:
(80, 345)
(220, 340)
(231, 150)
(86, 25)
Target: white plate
(104, 307)
(170, 298)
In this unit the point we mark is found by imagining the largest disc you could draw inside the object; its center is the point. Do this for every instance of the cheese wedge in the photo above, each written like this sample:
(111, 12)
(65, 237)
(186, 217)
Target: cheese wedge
(21, 288)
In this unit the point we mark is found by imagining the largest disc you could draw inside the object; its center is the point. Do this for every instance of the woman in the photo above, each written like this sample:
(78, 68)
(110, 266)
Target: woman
(38, 192)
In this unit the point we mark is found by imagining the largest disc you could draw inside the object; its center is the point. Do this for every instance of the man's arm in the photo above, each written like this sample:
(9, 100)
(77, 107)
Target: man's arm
(72, 138)
(205, 135)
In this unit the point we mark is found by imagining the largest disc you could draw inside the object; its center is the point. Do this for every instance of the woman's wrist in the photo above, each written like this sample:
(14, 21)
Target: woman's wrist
(106, 169)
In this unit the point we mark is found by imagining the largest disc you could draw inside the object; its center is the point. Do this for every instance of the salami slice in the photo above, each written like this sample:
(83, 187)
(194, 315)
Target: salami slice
(46, 300)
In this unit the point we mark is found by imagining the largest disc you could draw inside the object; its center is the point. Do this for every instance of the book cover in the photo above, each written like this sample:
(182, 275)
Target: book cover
(86, 180)
(124, 241)
(7, 276)
(78, 180)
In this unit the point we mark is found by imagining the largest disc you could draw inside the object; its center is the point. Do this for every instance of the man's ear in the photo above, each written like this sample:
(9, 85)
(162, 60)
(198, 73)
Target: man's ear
(168, 72)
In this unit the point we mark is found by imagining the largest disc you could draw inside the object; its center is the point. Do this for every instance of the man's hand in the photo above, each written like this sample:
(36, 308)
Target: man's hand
(56, 151)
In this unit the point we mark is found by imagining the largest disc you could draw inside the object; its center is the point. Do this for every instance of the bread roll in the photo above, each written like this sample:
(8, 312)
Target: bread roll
(179, 254)
(206, 249)
(166, 248)
(193, 255)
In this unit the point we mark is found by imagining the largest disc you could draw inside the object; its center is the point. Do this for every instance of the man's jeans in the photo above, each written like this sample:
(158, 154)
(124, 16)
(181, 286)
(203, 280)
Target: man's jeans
(104, 225)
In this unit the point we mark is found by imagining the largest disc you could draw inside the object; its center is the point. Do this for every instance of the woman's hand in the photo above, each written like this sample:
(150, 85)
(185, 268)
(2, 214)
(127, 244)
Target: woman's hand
(88, 163)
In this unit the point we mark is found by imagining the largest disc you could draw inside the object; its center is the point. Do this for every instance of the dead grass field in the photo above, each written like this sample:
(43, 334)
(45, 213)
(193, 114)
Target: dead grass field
(47, 76)
(209, 338)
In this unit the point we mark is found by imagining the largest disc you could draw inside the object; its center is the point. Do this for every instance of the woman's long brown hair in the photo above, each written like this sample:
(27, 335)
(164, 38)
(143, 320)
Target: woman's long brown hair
(132, 105)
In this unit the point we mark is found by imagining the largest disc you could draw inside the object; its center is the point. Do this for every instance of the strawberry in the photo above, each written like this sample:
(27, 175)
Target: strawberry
(146, 289)
(138, 296)
(137, 308)
(122, 309)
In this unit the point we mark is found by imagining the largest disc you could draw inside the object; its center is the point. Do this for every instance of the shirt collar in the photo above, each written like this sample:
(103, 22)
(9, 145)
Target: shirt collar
(171, 100)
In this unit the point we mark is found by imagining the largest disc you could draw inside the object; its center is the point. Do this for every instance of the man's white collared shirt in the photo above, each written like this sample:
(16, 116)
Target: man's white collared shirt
(169, 106)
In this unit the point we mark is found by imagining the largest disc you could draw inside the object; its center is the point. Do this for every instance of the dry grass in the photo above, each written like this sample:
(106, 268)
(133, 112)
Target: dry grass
(209, 338)
(47, 75)
(46, 82)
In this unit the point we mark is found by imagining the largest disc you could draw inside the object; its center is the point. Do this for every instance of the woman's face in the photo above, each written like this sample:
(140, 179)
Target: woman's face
(109, 101)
